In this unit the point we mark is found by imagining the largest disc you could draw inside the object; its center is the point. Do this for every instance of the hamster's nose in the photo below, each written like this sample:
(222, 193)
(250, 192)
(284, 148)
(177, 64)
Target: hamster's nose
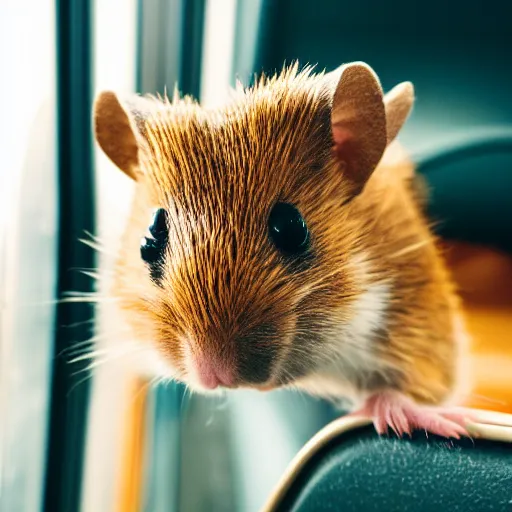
(212, 373)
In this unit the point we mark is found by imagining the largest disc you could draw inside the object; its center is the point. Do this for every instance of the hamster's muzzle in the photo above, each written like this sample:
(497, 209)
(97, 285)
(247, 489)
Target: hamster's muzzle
(246, 360)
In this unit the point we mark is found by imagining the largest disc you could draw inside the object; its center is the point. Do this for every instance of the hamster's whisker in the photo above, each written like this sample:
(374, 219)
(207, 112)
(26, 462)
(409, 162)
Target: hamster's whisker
(71, 293)
(187, 396)
(91, 355)
(70, 353)
(95, 365)
(94, 238)
(97, 276)
(487, 399)
(87, 299)
(145, 387)
(114, 355)
(87, 269)
(411, 248)
(80, 344)
(78, 324)
(91, 244)
(162, 380)
(80, 382)
(97, 245)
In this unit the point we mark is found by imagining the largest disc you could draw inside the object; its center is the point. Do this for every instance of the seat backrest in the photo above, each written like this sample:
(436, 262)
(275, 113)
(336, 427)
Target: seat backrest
(457, 54)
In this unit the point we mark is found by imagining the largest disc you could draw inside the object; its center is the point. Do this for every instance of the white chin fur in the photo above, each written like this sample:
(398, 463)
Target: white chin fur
(351, 345)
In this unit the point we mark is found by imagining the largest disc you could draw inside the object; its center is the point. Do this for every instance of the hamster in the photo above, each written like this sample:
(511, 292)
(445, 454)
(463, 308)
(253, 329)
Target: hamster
(271, 244)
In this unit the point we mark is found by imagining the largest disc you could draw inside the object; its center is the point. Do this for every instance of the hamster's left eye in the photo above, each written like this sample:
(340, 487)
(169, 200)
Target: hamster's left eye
(152, 248)
(158, 227)
(288, 230)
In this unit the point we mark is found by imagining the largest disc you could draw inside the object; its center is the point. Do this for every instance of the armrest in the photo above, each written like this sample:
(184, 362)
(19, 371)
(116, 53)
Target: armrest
(346, 466)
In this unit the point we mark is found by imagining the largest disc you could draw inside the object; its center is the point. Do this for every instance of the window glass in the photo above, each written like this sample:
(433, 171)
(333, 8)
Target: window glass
(28, 252)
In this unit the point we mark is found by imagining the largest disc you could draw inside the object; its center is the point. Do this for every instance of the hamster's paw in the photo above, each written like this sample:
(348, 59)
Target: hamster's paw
(391, 409)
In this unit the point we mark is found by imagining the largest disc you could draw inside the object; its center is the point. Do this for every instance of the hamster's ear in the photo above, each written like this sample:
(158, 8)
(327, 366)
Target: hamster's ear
(358, 121)
(363, 120)
(398, 103)
(117, 130)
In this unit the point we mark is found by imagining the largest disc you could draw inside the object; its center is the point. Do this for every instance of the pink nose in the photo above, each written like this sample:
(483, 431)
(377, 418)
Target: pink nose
(212, 374)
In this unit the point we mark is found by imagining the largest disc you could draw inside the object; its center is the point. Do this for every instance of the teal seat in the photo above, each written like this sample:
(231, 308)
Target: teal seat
(358, 471)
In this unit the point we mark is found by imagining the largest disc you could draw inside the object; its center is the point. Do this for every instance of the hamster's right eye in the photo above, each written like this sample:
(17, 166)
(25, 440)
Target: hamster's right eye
(152, 247)
(288, 230)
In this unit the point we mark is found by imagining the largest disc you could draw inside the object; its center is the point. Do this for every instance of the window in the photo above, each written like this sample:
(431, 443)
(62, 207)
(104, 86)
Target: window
(28, 249)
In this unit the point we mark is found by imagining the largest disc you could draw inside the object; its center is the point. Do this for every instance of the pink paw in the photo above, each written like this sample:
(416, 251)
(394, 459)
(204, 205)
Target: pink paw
(393, 410)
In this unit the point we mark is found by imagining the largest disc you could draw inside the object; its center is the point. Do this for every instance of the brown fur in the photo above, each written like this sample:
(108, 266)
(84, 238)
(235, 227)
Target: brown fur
(227, 292)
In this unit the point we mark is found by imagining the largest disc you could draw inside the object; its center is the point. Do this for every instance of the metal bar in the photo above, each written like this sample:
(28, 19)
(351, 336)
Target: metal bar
(70, 386)
(191, 56)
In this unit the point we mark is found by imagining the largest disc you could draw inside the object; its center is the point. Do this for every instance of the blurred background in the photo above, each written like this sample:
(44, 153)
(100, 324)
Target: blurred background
(91, 436)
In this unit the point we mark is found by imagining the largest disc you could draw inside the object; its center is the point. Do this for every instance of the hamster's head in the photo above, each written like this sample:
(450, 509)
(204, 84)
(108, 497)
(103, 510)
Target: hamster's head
(235, 265)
